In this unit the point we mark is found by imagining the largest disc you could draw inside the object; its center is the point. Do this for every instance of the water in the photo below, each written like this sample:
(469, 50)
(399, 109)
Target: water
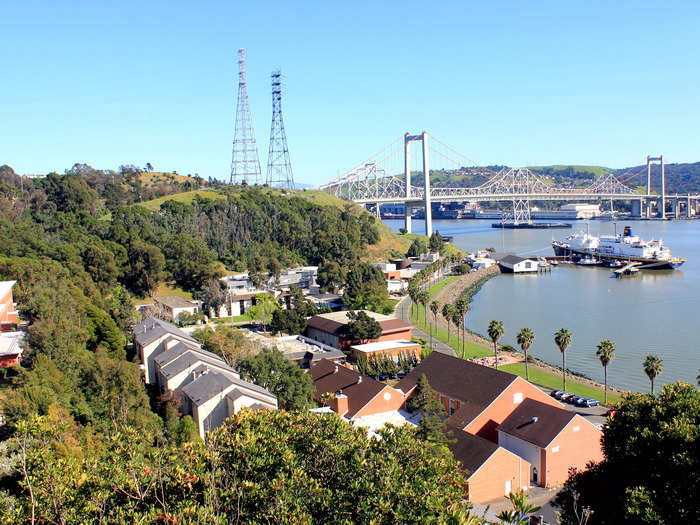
(652, 313)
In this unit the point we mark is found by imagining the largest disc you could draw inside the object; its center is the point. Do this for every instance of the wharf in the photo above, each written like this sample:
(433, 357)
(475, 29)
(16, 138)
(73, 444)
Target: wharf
(628, 269)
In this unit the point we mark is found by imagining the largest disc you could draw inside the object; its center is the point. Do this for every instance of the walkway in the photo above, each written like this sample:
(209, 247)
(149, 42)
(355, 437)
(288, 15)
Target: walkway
(402, 311)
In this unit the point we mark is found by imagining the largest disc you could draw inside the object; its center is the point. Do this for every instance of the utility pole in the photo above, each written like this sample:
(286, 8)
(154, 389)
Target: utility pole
(245, 164)
(279, 167)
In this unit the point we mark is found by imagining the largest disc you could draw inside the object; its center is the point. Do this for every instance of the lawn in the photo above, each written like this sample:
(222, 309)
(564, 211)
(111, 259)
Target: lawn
(553, 381)
(537, 375)
(186, 197)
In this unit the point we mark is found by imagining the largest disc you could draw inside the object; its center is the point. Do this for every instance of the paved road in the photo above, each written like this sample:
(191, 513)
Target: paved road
(402, 311)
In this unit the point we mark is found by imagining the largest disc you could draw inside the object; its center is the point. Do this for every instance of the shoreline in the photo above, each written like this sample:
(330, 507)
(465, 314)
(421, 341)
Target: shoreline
(472, 284)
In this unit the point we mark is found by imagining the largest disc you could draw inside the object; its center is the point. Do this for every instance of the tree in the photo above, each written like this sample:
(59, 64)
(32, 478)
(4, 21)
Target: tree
(525, 339)
(562, 338)
(423, 298)
(436, 244)
(271, 370)
(362, 327)
(458, 321)
(289, 321)
(651, 467)
(462, 307)
(652, 368)
(418, 247)
(424, 400)
(229, 343)
(447, 314)
(365, 288)
(330, 276)
(522, 510)
(434, 308)
(146, 267)
(495, 332)
(214, 296)
(606, 353)
(264, 307)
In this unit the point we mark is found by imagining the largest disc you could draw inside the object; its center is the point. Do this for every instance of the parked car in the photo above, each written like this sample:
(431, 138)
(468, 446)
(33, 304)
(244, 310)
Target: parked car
(565, 396)
(574, 399)
(582, 401)
(590, 402)
(556, 394)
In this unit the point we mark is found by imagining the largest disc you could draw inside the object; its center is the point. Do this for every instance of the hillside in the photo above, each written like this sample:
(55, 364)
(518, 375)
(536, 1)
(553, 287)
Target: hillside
(185, 197)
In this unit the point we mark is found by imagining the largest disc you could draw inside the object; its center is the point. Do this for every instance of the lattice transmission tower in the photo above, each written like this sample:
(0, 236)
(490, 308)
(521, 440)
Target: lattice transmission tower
(279, 167)
(245, 163)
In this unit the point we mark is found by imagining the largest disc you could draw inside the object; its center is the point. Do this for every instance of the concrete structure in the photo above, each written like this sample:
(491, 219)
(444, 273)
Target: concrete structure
(354, 395)
(515, 264)
(8, 313)
(551, 439)
(423, 138)
(491, 471)
(331, 329)
(477, 398)
(392, 349)
(172, 306)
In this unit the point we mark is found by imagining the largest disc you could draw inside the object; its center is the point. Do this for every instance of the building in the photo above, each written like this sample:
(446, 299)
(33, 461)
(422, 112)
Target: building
(391, 349)
(477, 398)
(332, 329)
(11, 348)
(205, 386)
(214, 396)
(353, 395)
(396, 286)
(9, 319)
(551, 439)
(491, 471)
(172, 306)
(153, 336)
(515, 264)
(326, 300)
(581, 211)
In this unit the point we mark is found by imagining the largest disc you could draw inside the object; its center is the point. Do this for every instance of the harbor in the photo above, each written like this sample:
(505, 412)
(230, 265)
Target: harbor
(591, 302)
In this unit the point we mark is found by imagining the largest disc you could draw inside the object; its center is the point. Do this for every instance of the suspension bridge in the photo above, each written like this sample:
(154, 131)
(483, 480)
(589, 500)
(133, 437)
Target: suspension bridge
(386, 178)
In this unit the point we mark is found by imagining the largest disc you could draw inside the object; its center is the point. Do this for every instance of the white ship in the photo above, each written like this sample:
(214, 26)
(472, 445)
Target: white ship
(610, 248)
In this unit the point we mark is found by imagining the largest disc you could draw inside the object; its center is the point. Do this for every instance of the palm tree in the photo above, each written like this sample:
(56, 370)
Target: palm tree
(652, 368)
(434, 308)
(458, 321)
(606, 353)
(462, 307)
(562, 338)
(525, 339)
(423, 299)
(495, 332)
(447, 314)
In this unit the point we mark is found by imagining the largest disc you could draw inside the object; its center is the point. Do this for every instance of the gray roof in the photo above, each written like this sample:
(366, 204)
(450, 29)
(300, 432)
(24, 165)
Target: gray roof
(511, 259)
(173, 301)
(173, 352)
(208, 385)
(152, 329)
(188, 359)
(237, 392)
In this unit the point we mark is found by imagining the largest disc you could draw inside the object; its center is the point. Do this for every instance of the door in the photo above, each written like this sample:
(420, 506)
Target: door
(508, 487)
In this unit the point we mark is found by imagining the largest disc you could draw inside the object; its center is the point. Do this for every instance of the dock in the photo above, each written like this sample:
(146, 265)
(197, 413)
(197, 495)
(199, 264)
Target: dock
(629, 269)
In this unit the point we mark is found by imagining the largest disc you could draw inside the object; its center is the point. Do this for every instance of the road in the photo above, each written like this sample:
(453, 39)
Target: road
(402, 311)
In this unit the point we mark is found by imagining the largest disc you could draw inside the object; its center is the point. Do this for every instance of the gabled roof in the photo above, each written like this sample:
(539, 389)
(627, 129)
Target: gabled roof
(210, 384)
(173, 352)
(336, 322)
(240, 392)
(536, 422)
(512, 259)
(189, 358)
(329, 377)
(152, 329)
(173, 301)
(470, 450)
(5, 287)
(474, 386)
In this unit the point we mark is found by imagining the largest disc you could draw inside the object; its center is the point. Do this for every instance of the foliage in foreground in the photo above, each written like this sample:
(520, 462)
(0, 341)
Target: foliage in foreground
(264, 466)
(651, 470)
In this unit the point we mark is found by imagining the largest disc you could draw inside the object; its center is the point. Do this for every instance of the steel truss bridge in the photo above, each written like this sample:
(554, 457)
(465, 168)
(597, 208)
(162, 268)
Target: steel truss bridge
(370, 184)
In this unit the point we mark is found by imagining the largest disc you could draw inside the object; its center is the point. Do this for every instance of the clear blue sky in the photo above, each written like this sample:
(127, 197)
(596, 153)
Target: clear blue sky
(517, 83)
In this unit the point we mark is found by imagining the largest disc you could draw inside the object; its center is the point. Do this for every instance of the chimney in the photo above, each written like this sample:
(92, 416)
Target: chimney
(359, 379)
(336, 369)
(339, 404)
(534, 419)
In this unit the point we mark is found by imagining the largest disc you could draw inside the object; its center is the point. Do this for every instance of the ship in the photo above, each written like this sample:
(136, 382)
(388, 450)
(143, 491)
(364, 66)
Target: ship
(624, 247)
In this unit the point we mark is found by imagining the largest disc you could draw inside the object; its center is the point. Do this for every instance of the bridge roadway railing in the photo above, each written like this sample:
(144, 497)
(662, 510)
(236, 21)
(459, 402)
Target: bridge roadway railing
(417, 197)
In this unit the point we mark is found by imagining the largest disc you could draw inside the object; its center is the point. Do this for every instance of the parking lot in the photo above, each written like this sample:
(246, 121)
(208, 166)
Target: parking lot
(595, 415)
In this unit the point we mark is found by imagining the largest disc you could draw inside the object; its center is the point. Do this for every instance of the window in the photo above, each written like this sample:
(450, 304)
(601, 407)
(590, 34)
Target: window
(517, 398)
(555, 449)
(452, 407)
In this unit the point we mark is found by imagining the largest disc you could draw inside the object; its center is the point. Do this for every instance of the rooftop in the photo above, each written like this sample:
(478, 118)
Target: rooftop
(5, 287)
(173, 301)
(536, 422)
(332, 378)
(151, 329)
(475, 386)
(335, 322)
(208, 385)
(10, 343)
(384, 345)
(512, 259)
(470, 450)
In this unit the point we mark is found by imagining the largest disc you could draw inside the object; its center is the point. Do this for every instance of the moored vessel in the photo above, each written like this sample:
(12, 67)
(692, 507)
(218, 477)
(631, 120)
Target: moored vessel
(625, 247)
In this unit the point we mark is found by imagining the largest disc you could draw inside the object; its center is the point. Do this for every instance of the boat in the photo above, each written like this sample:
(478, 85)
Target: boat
(587, 260)
(625, 248)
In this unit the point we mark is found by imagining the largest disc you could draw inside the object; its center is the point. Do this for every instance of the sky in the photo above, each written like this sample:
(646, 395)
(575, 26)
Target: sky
(514, 83)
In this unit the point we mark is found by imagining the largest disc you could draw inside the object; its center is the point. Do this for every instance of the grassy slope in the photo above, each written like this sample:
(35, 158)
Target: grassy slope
(186, 197)
(564, 169)
(538, 376)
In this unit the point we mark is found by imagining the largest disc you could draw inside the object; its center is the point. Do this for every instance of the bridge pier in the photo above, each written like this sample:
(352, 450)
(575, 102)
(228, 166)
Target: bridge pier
(426, 177)
(637, 208)
(687, 207)
(407, 224)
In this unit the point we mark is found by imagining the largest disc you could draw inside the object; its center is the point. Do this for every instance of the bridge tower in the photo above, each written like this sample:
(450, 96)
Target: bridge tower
(650, 161)
(423, 138)
(245, 164)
